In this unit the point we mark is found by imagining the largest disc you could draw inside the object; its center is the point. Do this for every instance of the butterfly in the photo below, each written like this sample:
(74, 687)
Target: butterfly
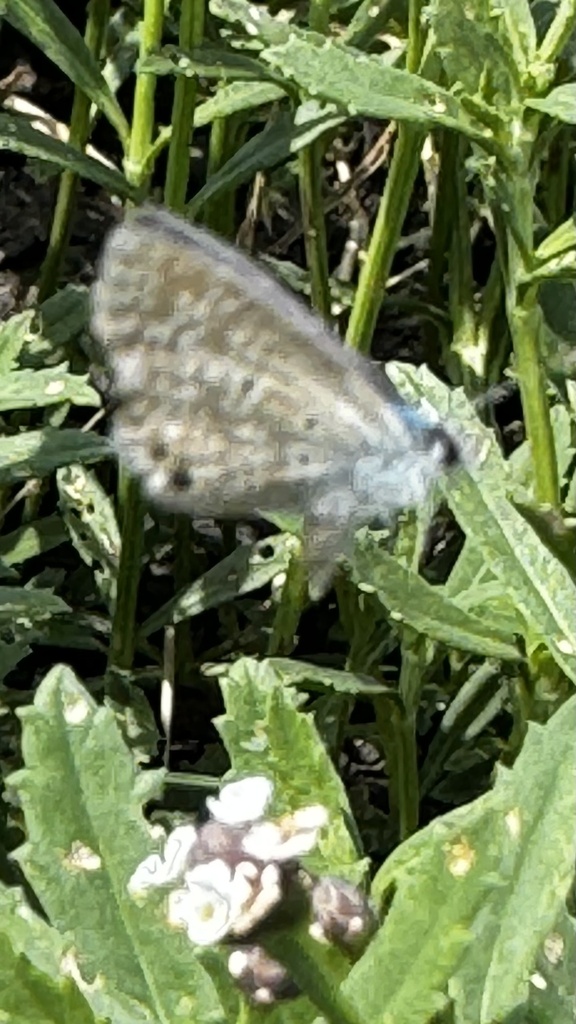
(234, 399)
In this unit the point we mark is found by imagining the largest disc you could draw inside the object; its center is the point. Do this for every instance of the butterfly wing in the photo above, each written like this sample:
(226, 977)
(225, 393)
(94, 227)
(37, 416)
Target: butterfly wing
(232, 396)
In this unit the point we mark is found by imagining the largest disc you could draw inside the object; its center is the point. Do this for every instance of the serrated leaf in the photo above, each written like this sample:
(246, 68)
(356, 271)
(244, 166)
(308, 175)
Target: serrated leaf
(244, 570)
(264, 730)
(35, 453)
(476, 51)
(476, 892)
(79, 860)
(36, 389)
(256, 21)
(365, 85)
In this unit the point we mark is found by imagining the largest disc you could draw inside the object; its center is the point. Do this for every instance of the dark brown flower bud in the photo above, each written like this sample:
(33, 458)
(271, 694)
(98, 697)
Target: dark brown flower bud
(263, 979)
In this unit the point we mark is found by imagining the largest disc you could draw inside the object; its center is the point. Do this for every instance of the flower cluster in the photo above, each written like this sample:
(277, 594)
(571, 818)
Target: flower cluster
(227, 875)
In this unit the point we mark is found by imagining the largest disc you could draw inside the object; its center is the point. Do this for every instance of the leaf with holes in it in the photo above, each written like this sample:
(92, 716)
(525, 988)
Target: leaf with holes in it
(81, 794)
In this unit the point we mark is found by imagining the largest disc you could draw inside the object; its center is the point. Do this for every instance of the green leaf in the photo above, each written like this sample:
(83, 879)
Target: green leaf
(31, 539)
(244, 570)
(13, 335)
(91, 522)
(520, 30)
(476, 51)
(412, 600)
(476, 893)
(46, 25)
(539, 588)
(559, 242)
(11, 654)
(31, 997)
(279, 140)
(79, 860)
(301, 673)
(262, 720)
(233, 98)
(255, 21)
(363, 85)
(32, 605)
(36, 389)
(206, 62)
(39, 452)
(19, 136)
(559, 103)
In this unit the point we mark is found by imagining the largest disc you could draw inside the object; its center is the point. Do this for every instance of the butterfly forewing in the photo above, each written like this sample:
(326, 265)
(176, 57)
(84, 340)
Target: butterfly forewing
(233, 397)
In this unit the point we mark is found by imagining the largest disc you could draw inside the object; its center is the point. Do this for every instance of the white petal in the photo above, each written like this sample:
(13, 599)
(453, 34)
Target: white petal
(218, 877)
(177, 849)
(217, 874)
(151, 872)
(267, 896)
(241, 802)
(315, 816)
(204, 913)
(291, 837)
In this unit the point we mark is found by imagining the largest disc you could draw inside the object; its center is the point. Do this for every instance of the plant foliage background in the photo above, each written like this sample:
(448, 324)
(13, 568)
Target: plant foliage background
(428, 700)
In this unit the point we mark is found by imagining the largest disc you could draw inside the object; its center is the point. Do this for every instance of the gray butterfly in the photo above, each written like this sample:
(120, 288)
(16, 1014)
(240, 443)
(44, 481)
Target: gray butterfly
(233, 398)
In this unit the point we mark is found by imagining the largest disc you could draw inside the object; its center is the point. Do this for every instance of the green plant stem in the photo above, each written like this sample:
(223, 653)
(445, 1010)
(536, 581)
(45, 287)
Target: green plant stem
(415, 652)
(317, 969)
(97, 13)
(559, 32)
(310, 160)
(225, 137)
(526, 326)
(191, 33)
(392, 209)
(123, 634)
(437, 352)
(555, 177)
(464, 354)
(311, 202)
(319, 16)
(493, 333)
(389, 221)
(136, 164)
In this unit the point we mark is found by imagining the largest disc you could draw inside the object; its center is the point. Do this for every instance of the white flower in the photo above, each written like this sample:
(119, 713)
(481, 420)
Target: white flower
(240, 803)
(156, 870)
(290, 837)
(266, 894)
(219, 900)
(208, 905)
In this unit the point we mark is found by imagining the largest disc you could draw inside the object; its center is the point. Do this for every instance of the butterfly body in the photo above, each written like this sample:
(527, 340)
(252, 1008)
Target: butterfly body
(234, 398)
